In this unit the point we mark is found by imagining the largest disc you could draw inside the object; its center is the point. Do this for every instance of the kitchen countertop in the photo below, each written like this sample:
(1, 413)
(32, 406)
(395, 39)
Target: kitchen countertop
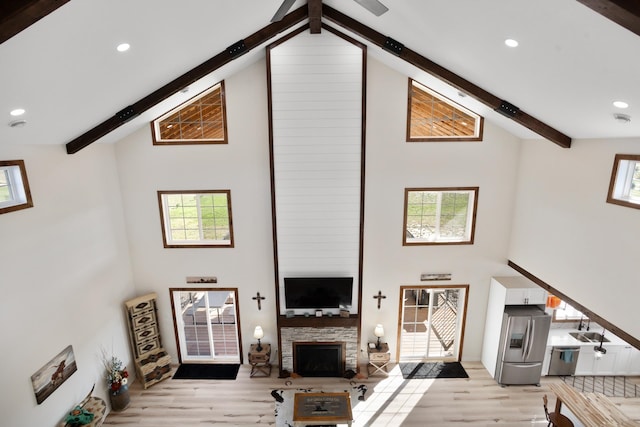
(561, 337)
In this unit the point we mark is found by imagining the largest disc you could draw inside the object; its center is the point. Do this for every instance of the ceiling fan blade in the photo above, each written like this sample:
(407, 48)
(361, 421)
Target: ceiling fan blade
(373, 6)
(282, 10)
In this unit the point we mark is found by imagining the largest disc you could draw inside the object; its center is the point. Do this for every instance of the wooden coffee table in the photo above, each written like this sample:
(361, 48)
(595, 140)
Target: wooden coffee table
(322, 408)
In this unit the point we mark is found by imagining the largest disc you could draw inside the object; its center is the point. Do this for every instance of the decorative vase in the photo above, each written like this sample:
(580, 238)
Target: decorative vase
(119, 398)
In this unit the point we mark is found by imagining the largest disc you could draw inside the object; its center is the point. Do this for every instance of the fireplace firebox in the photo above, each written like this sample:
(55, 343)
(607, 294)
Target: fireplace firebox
(319, 359)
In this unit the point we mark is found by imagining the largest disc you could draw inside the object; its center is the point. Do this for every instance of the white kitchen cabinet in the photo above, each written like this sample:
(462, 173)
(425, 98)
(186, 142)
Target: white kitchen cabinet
(526, 296)
(606, 365)
(628, 362)
(585, 361)
(588, 364)
(634, 362)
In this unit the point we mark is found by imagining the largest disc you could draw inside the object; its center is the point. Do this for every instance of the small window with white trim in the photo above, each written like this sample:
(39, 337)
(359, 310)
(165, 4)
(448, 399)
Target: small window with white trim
(196, 219)
(624, 188)
(14, 186)
(435, 216)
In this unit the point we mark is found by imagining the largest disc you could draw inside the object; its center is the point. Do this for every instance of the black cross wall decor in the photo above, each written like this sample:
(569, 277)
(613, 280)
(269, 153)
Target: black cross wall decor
(380, 297)
(259, 299)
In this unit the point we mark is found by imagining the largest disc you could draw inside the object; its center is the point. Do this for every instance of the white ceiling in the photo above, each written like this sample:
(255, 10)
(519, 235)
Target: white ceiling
(572, 63)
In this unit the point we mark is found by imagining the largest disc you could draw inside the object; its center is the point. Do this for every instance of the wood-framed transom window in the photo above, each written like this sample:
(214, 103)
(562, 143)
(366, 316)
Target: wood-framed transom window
(14, 186)
(624, 187)
(435, 216)
(200, 120)
(196, 218)
(433, 117)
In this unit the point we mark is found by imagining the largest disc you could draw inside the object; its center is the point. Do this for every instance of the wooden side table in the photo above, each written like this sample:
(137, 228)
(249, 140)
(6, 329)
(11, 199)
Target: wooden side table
(259, 360)
(378, 359)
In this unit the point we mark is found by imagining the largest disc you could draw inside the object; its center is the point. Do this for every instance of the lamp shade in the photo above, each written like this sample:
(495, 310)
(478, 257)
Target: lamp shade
(258, 333)
(378, 331)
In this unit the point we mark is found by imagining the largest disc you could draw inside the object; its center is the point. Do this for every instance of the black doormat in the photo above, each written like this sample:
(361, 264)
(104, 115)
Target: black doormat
(432, 370)
(204, 371)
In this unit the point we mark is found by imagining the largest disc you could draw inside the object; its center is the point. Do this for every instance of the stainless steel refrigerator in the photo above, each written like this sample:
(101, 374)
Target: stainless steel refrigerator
(523, 341)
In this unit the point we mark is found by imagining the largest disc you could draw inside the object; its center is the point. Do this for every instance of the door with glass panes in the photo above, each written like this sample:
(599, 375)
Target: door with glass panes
(206, 325)
(432, 322)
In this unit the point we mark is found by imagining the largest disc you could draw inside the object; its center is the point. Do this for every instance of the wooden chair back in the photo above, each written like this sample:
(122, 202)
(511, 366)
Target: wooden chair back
(555, 419)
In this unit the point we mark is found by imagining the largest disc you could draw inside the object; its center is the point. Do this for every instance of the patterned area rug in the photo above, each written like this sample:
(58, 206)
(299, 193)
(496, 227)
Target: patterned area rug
(284, 400)
(432, 370)
(609, 386)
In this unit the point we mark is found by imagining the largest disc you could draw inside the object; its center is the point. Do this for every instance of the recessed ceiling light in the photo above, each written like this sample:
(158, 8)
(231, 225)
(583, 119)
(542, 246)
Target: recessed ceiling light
(17, 112)
(123, 47)
(511, 42)
(620, 104)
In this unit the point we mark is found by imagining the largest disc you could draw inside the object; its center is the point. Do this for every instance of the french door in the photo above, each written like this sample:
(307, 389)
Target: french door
(432, 322)
(206, 325)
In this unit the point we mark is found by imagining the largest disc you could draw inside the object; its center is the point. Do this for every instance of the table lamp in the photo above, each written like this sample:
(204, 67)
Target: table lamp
(258, 334)
(378, 332)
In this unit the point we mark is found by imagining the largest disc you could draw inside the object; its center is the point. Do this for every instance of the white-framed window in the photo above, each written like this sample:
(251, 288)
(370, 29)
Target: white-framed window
(196, 218)
(14, 186)
(624, 188)
(439, 215)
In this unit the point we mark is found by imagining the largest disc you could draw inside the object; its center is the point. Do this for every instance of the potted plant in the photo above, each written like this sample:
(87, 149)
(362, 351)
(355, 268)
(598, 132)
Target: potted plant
(117, 382)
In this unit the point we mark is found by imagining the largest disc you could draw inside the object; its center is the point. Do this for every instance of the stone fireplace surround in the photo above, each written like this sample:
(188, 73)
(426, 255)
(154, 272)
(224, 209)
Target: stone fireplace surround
(330, 334)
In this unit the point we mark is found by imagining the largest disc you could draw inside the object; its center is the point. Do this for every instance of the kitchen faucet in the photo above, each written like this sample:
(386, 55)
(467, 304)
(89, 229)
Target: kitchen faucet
(581, 325)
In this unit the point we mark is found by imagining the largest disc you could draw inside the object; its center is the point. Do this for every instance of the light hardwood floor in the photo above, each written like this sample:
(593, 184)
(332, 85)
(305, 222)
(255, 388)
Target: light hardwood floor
(390, 401)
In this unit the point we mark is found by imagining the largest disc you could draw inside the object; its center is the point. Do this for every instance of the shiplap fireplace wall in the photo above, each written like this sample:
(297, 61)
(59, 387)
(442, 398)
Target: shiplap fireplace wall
(316, 88)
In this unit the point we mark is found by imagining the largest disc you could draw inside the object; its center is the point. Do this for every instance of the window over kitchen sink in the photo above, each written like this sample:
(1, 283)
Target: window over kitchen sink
(566, 313)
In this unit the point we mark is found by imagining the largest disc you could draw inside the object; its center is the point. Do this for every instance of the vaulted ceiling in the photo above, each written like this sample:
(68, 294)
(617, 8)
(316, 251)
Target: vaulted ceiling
(572, 62)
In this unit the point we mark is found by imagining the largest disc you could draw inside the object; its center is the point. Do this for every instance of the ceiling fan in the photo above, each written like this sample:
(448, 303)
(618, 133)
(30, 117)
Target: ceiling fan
(373, 6)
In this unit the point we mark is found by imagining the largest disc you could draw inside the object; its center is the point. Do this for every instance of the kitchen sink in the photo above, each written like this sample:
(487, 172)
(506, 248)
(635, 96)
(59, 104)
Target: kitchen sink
(594, 336)
(588, 336)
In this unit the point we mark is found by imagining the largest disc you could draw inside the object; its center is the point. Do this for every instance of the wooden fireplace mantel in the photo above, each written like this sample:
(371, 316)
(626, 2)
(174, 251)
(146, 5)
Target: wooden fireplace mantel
(318, 322)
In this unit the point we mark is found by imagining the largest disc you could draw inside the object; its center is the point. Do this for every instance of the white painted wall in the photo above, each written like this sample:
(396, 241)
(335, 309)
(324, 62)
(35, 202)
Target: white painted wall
(392, 164)
(567, 235)
(64, 273)
(241, 166)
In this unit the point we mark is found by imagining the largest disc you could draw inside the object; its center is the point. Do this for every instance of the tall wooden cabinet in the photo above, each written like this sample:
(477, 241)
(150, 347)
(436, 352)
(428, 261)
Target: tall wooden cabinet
(152, 362)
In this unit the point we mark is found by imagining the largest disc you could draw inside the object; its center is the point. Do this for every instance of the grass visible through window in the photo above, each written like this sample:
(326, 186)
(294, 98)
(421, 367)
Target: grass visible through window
(197, 218)
(434, 216)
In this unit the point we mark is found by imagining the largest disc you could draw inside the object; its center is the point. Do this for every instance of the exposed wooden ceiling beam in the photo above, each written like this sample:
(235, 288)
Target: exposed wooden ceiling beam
(581, 308)
(447, 76)
(190, 77)
(623, 12)
(315, 16)
(16, 15)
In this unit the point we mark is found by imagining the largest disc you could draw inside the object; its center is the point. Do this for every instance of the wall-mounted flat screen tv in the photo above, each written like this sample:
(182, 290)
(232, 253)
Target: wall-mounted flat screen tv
(318, 292)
